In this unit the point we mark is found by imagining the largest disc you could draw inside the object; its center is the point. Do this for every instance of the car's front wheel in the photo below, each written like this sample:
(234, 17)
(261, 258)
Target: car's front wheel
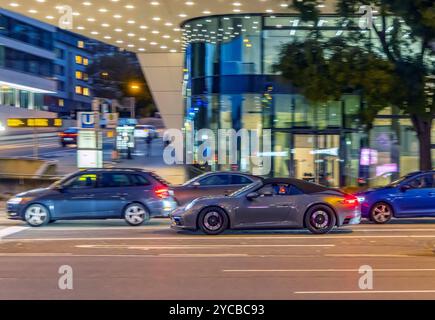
(381, 213)
(136, 214)
(320, 219)
(213, 221)
(36, 215)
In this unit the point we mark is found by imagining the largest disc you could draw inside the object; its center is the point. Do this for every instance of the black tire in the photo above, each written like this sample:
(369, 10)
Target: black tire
(135, 214)
(213, 221)
(37, 215)
(320, 219)
(381, 213)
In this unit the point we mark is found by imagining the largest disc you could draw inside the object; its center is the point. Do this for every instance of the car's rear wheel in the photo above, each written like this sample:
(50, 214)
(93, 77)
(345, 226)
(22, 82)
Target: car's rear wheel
(136, 214)
(36, 215)
(381, 213)
(213, 220)
(320, 219)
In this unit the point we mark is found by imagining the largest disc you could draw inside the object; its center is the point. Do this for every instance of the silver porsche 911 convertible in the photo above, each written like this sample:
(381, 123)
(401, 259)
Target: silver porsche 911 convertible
(275, 203)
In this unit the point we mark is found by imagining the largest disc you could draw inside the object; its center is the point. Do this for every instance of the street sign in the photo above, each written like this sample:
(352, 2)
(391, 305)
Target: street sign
(34, 122)
(110, 120)
(86, 120)
(88, 159)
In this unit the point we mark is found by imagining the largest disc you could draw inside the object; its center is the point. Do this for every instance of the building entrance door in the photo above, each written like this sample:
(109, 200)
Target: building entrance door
(316, 158)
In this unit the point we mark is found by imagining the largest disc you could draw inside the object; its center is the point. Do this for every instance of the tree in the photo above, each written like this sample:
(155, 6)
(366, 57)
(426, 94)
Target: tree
(118, 76)
(390, 65)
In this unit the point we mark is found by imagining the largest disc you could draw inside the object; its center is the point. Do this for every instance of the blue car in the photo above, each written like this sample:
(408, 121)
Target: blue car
(411, 196)
(130, 194)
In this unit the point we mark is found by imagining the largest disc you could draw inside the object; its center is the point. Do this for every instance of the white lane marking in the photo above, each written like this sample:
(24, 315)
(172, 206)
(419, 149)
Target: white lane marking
(102, 228)
(11, 230)
(326, 270)
(364, 291)
(202, 237)
(368, 255)
(393, 230)
(182, 247)
(72, 255)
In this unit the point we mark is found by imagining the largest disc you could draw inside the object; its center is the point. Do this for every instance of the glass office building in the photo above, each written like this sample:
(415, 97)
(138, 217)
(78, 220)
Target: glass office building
(229, 82)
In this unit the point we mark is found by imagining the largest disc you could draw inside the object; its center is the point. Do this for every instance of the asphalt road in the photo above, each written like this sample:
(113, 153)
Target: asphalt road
(110, 260)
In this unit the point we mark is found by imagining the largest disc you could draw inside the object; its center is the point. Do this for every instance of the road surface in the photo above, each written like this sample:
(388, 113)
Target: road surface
(113, 261)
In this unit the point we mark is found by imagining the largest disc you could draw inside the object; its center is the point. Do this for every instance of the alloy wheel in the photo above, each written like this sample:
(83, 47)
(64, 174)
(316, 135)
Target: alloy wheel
(36, 215)
(382, 213)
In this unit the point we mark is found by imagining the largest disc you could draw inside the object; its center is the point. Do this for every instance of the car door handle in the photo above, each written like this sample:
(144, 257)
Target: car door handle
(279, 205)
(86, 196)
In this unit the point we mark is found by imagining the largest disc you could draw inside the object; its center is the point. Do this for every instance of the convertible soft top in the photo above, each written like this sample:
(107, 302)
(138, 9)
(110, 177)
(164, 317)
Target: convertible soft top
(304, 186)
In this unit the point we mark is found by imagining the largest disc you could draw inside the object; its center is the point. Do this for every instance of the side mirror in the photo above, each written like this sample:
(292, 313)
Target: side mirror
(252, 195)
(405, 187)
(60, 188)
(196, 184)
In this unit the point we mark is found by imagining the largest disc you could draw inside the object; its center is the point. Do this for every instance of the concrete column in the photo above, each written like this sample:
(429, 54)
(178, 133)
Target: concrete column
(164, 74)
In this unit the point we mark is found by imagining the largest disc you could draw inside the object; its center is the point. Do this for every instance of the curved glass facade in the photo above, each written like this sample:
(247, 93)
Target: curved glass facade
(229, 83)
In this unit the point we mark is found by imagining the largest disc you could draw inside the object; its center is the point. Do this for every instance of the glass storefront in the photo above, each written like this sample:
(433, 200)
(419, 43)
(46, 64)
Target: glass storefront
(21, 98)
(229, 82)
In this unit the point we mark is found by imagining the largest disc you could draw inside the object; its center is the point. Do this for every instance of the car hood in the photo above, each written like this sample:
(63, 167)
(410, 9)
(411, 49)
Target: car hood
(373, 190)
(36, 192)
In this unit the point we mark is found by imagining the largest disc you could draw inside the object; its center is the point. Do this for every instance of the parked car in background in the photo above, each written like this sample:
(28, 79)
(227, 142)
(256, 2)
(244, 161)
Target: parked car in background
(270, 204)
(68, 136)
(145, 131)
(130, 194)
(410, 196)
(212, 183)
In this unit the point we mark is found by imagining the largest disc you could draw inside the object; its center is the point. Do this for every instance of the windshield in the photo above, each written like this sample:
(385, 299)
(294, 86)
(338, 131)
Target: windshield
(400, 180)
(247, 187)
(194, 179)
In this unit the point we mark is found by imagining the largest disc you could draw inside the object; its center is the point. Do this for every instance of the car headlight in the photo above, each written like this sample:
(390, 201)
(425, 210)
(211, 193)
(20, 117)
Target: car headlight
(361, 199)
(19, 200)
(190, 205)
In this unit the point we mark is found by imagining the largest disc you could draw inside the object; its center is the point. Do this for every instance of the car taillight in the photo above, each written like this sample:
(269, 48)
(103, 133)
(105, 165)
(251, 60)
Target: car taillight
(350, 200)
(161, 192)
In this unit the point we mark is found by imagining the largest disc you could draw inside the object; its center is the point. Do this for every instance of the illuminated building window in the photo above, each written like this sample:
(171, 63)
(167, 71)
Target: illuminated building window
(85, 77)
(79, 75)
(79, 59)
(86, 91)
(61, 103)
(80, 44)
(85, 61)
(79, 90)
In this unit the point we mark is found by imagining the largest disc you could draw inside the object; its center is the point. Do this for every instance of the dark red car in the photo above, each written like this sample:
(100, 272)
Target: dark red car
(69, 136)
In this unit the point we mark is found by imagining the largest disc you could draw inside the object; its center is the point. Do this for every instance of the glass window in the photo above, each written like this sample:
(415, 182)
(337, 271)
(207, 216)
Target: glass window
(280, 189)
(79, 90)
(422, 182)
(79, 59)
(82, 182)
(115, 180)
(236, 179)
(79, 75)
(86, 92)
(139, 180)
(215, 180)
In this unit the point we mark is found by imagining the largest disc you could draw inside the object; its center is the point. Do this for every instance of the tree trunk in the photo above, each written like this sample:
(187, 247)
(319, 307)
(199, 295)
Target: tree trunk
(423, 127)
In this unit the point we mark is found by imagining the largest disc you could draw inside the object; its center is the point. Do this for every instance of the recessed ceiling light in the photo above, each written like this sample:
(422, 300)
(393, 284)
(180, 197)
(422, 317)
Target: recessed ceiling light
(189, 3)
(49, 17)
(141, 49)
(103, 10)
(91, 19)
(14, 4)
(182, 15)
(169, 24)
(129, 6)
(131, 21)
(105, 25)
(87, 3)
(154, 3)
(143, 27)
(166, 36)
(130, 34)
(94, 32)
(33, 11)
(117, 16)
(155, 31)
(156, 18)
(107, 37)
(206, 12)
